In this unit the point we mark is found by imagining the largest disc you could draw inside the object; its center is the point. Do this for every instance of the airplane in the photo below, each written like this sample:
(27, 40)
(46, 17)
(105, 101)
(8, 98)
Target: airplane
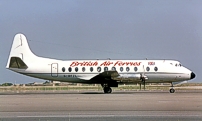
(108, 73)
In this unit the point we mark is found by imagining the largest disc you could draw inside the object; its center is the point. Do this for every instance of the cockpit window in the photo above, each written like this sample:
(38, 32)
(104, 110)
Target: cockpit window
(178, 65)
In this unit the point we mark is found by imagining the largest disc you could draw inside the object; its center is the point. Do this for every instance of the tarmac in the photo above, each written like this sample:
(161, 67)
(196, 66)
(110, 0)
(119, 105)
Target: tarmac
(95, 105)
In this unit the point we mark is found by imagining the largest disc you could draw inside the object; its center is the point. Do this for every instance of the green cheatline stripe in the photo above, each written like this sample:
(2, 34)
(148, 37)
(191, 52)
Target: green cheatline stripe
(100, 73)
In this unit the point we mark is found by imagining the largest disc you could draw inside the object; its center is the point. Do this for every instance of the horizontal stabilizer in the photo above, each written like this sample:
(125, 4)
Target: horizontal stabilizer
(16, 62)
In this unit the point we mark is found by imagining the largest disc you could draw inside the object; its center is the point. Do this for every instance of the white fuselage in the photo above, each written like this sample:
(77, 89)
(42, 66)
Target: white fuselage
(81, 71)
(22, 60)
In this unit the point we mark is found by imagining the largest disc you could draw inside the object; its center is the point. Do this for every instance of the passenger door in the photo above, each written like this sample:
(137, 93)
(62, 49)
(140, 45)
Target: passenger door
(54, 69)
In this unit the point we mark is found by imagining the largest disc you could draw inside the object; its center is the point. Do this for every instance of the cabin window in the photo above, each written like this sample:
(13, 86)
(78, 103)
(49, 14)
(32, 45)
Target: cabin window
(127, 69)
(69, 69)
(113, 68)
(147, 68)
(98, 69)
(135, 69)
(63, 69)
(155, 69)
(105, 68)
(121, 69)
(76, 69)
(83, 69)
(91, 69)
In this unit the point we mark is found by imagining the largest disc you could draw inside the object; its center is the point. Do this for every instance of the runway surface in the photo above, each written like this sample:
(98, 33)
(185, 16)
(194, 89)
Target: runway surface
(91, 106)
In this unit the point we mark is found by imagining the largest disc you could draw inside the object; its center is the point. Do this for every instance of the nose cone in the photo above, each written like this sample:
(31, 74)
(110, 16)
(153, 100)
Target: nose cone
(193, 75)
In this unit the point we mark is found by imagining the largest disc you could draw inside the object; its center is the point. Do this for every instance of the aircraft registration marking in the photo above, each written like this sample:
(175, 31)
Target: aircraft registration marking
(70, 76)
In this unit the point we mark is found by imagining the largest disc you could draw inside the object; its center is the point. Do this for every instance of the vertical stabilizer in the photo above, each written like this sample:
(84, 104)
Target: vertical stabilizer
(20, 51)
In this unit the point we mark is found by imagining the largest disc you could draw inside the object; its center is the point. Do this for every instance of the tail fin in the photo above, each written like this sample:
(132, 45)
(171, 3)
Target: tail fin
(20, 52)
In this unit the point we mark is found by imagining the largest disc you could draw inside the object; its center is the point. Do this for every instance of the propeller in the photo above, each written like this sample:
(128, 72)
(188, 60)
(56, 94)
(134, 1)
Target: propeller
(143, 77)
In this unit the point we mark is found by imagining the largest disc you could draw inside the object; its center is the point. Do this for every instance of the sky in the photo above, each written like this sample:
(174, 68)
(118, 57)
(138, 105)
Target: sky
(101, 29)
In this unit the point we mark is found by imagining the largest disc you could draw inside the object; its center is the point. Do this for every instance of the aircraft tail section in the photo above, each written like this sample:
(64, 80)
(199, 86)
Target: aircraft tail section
(20, 53)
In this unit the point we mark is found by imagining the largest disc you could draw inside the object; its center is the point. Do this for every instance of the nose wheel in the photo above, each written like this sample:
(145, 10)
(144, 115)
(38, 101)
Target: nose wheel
(172, 90)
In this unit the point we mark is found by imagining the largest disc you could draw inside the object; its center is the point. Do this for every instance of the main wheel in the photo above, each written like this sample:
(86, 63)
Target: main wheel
(172, 90)
(107, 90)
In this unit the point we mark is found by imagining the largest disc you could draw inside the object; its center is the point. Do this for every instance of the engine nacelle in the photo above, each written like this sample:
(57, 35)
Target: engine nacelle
(128, 77)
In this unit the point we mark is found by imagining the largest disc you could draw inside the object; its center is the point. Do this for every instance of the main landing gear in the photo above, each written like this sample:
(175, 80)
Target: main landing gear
(106, 88)
(172, 90)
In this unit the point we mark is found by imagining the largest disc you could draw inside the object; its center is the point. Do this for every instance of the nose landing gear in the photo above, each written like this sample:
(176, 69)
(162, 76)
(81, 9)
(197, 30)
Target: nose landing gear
(172, 90)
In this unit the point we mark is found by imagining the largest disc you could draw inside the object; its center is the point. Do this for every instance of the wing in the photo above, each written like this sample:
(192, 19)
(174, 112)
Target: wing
(100, 77)
(109, 74)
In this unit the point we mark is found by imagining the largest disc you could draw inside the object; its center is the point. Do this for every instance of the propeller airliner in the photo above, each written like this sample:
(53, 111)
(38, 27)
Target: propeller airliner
(108, 73)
